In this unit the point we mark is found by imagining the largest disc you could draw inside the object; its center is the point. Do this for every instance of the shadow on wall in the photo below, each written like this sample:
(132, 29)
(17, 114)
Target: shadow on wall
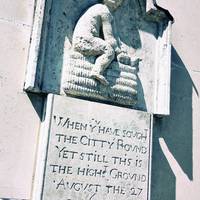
(37, 101)
(176, 130)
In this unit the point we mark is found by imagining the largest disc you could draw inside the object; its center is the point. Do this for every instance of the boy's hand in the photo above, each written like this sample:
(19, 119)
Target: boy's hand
(113, 43)
(118, 51)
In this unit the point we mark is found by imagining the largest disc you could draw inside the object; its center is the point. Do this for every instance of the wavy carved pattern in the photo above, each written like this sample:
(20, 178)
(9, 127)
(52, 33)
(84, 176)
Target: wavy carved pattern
(122, 78)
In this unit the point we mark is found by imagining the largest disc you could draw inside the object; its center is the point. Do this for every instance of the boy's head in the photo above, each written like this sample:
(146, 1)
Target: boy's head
(113, 4)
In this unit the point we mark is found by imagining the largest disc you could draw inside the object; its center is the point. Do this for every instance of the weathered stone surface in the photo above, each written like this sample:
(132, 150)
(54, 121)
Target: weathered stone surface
(122, 79)
(142, 31)
(96, 151)
(99, 65)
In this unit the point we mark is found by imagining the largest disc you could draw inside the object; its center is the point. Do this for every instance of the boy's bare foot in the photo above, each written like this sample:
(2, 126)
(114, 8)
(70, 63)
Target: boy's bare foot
(99, 77)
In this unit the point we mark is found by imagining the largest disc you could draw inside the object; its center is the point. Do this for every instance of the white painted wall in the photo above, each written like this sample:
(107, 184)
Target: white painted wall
(180, 178)
(20, 114)
(19, 121)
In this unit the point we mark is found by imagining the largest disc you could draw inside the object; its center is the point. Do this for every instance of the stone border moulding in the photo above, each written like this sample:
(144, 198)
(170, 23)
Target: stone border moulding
(35, 66)
(37, 189)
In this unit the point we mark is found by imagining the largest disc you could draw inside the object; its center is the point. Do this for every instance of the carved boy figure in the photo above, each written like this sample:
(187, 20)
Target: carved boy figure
(87, 37)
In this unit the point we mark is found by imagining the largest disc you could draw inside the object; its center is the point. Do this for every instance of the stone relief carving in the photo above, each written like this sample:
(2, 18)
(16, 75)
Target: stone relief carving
(64, 60)
(98, 65)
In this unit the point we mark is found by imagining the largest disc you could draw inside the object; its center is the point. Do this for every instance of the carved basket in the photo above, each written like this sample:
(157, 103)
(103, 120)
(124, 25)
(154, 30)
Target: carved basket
(122, 88)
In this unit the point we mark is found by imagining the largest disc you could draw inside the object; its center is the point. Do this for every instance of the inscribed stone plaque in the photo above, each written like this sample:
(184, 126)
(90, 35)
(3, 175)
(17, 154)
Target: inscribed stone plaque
(97, 151)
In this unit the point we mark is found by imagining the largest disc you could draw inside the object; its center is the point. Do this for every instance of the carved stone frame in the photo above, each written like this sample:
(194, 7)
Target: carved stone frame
(163, 53)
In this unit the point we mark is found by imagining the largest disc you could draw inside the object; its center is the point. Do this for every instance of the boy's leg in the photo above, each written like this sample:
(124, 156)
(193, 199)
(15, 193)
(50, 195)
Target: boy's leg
(97, 47)
(102, 62)
(105, 52)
